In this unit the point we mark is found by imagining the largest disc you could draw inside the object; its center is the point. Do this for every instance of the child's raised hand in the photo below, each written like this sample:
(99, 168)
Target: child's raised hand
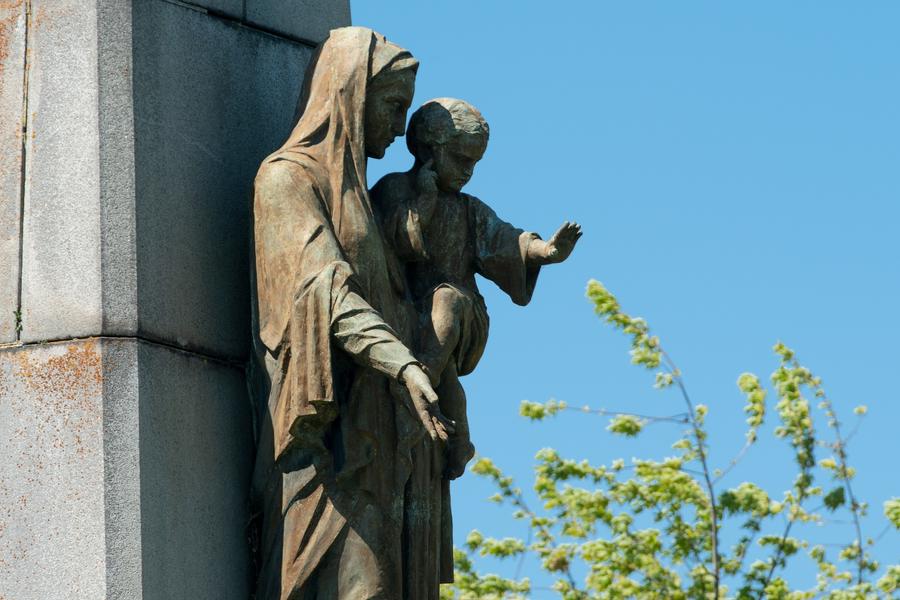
(427, 190)
(563, 242)
(426, 180)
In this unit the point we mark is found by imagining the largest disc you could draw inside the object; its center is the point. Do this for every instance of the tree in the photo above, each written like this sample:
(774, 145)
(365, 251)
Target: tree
(654, 528)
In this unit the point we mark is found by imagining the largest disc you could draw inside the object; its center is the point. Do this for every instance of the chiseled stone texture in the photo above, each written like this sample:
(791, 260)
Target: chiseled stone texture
(12, 65)
(146, 124)
(125, 463)
(159, 187)
(122, 464)
(125, 473)
(211, 100)
(78, 248)
(196, 458)
(309, 20)
(61, 279)
(51, 491)
(116, 168)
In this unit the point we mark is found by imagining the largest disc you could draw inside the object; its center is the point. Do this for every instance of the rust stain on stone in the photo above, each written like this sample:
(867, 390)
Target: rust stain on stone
(66, 388)
(6, 26)
(78, 368)
(52, 398)
(9, 15)
(10, 12)
(40, 15)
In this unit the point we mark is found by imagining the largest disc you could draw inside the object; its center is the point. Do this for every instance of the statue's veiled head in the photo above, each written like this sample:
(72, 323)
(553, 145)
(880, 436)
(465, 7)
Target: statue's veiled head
(357, 91)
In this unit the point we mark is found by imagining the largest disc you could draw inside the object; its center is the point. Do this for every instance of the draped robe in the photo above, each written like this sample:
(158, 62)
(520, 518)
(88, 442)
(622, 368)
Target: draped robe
(464, 237)
(337, 440)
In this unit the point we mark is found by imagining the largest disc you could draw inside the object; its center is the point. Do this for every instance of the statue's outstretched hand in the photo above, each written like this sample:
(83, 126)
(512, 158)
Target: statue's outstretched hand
(563, 242)
(425, 403)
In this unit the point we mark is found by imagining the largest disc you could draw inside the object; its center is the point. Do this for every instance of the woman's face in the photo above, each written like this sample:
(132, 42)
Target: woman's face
(387, 101)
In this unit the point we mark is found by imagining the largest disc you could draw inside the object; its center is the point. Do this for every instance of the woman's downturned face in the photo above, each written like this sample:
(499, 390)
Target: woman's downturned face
(387, 102)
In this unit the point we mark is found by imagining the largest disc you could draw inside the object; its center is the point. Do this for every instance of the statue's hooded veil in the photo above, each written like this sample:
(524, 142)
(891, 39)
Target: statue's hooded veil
(315, 238)
(329, 133)
(298, 271)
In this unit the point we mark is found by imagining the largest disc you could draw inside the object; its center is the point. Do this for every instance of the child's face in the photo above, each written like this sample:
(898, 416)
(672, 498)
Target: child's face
(455, 161)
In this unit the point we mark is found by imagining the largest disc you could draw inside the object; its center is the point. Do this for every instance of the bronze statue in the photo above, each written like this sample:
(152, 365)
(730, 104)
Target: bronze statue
(355, 456)
(446, 237)
(334, 449)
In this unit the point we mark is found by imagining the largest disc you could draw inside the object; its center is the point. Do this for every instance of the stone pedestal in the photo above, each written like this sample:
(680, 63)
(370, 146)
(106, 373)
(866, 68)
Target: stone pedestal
(130, 132)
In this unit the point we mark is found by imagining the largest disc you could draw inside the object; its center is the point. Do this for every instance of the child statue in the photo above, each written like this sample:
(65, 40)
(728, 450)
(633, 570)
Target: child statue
(444, 237)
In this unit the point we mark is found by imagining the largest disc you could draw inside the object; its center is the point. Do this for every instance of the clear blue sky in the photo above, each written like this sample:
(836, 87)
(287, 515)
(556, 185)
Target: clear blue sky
(736, 168)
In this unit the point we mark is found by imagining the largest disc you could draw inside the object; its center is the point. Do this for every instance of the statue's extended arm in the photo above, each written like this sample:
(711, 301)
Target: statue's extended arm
(361, 332)
(306, 289)
(557, 249)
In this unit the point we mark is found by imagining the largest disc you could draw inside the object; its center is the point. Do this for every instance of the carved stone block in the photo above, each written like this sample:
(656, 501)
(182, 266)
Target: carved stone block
(301, 19)
(12, 63)
(125, 474)
(210, 101)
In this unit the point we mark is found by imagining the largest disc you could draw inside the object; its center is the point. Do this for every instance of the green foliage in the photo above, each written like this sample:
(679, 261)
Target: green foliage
(472, 586)
(749, 384)
(537, 411)
(651, 528)
(626, 425)
(892, 511)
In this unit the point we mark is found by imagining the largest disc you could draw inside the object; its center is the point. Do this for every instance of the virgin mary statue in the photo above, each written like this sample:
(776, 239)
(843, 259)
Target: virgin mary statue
(346, 400)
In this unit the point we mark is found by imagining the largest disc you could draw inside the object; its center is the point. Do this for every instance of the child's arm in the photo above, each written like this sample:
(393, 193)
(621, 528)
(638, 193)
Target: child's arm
(557, 249)
(397, 209)
(512, 258)
(426, 192)
(502, 252)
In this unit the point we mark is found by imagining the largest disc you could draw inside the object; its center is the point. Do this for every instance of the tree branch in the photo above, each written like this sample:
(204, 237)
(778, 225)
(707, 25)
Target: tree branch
(701, 448)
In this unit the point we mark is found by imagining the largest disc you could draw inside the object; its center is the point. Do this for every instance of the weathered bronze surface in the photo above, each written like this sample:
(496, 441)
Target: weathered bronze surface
(367, 306)
(444, 237)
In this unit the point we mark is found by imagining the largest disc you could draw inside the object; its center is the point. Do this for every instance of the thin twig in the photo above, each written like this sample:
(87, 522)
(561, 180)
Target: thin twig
(734, 461)
(519, 501)
(701, 447)
(777, 557)
(841, 451)
(691, 471)
(854, 431)
(750, 541)
(784, 536)
(677, 418)
(522, 558)
(881, 534)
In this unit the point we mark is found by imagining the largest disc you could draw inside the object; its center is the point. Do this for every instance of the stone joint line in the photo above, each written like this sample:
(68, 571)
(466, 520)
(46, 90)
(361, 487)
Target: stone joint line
(221, 360)
(242, 22)
(23, 179)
